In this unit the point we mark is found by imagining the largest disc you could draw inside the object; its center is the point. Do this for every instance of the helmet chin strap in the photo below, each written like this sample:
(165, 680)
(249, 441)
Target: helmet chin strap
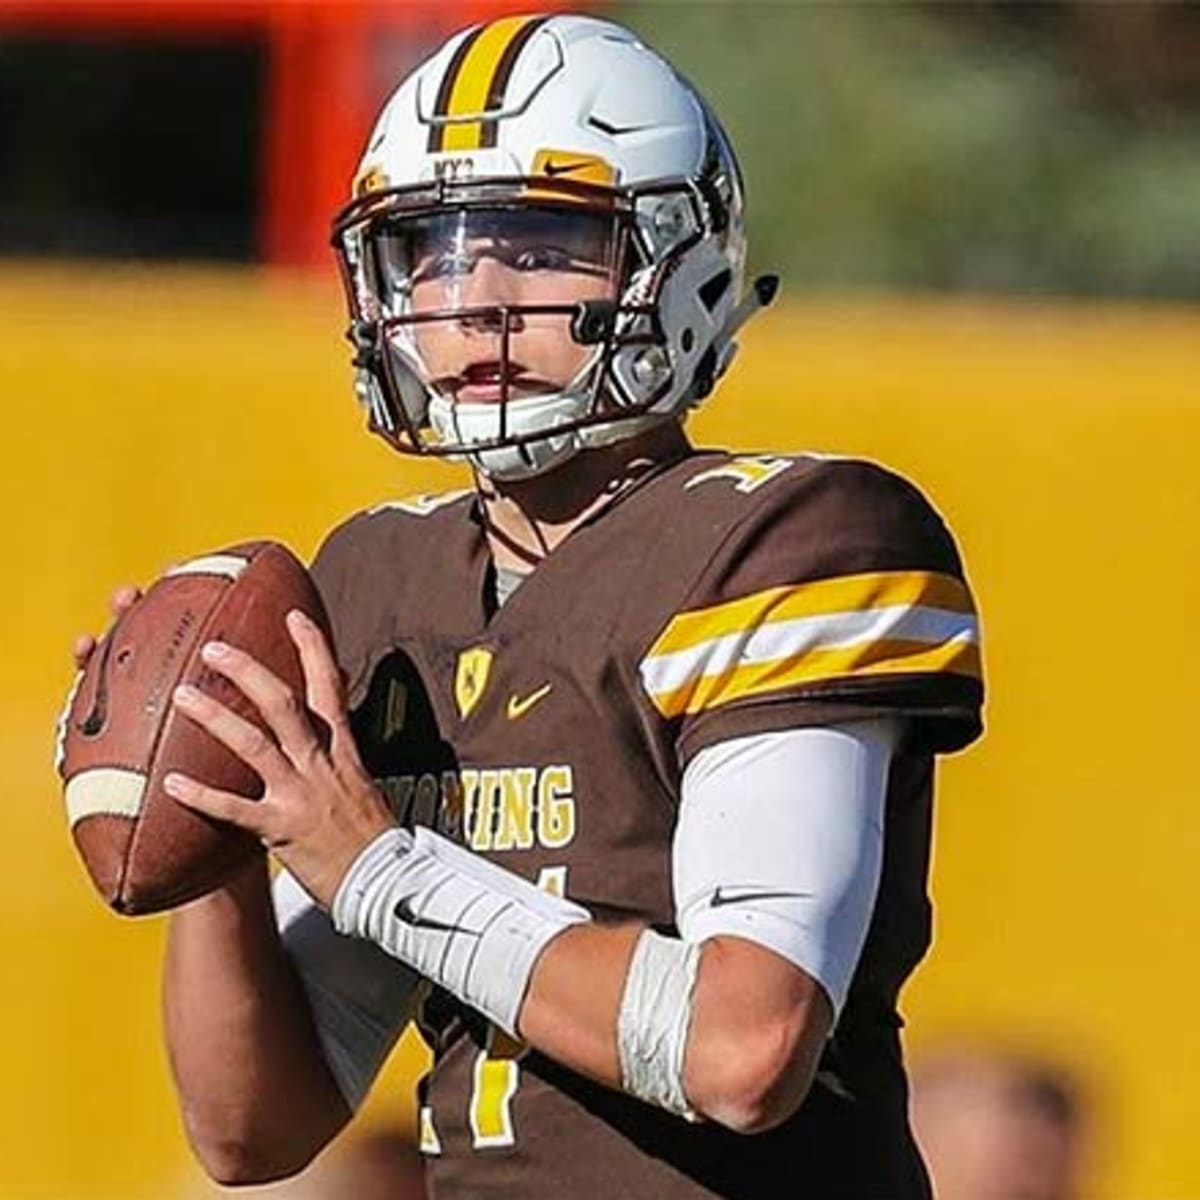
(533, 454)
(538, 452)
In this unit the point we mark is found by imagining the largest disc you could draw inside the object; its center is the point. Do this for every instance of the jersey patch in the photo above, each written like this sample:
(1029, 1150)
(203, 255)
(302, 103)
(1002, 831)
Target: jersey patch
(471, 677)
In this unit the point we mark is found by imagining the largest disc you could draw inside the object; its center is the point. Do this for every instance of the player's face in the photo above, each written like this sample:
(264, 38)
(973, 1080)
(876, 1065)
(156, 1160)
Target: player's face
(495, 259)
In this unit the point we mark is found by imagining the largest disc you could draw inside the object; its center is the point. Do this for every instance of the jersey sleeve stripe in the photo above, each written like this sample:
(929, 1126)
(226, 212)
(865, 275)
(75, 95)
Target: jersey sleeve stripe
(704, 659)
(838, 596)
(957, 657)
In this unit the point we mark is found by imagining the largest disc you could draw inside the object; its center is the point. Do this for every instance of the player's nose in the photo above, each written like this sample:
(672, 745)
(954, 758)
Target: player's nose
(491, 287)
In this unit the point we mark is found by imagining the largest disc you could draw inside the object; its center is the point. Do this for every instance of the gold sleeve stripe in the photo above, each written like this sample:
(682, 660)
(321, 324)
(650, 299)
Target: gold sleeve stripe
(859, 626)
(474, 83)
(868, 661)
(844, 593)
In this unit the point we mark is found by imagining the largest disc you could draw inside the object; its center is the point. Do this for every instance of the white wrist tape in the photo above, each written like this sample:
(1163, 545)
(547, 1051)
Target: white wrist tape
(654, 1018)
(461, 921)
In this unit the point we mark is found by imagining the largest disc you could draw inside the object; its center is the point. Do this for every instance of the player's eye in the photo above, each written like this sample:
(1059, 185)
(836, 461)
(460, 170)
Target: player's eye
(448, 265)
(544, 258)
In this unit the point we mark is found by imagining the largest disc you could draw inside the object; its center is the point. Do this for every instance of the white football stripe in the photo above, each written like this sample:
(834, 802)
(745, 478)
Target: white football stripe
(229, 565)
(112, 790)
(802, 635)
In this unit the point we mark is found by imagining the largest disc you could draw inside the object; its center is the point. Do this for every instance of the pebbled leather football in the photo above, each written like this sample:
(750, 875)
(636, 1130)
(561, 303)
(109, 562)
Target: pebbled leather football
(119, 734)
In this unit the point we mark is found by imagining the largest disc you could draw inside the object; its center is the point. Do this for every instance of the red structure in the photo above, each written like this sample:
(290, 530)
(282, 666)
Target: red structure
(325, 79)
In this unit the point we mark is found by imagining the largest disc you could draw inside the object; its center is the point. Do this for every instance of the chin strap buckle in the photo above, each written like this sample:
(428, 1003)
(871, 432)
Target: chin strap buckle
(593, 321)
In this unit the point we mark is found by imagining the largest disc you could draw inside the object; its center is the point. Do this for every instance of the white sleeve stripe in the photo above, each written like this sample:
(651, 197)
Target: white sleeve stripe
(795, 637)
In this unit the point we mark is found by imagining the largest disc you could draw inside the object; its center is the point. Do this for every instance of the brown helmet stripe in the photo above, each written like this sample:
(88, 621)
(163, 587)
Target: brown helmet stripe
(475, 82)
(446, 90)
(499, 84)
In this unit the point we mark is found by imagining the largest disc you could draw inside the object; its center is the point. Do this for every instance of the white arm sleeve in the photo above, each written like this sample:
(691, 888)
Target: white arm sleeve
(360, 997)
(780, 841)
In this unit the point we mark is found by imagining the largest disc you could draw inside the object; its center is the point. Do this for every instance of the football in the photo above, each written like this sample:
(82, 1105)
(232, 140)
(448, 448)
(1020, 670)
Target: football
(120, 733)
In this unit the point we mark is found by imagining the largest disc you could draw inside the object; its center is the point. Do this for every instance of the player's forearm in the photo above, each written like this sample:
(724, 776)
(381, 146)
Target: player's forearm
(257, 1099)
(614, 1003)
(570, 1009)
(753, 1039)
(757, 1031)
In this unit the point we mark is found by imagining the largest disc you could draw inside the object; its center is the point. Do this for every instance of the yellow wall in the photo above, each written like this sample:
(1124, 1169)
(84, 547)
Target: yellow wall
(152, 415)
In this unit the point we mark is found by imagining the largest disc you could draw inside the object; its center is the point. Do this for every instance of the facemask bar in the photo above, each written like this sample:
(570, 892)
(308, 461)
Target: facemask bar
(654, 226)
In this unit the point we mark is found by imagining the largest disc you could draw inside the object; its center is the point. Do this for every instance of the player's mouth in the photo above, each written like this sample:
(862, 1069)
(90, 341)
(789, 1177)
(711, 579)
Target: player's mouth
(488, 382)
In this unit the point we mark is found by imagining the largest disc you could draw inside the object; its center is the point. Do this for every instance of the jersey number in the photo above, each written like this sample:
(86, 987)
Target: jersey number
(497, 1073)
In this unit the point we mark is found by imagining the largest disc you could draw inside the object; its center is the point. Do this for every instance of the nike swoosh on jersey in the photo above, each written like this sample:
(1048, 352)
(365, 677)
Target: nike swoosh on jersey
(518, 706)
(403, 911)
(748, 896)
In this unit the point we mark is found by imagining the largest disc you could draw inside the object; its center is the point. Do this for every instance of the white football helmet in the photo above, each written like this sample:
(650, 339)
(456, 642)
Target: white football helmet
(548, 144)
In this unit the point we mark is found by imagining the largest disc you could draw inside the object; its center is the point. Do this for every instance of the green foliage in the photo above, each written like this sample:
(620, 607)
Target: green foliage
(885, 146)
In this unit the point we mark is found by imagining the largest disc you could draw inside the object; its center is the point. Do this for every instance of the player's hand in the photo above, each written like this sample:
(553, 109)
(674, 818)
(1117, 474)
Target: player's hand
(119, 603)
(319, 807)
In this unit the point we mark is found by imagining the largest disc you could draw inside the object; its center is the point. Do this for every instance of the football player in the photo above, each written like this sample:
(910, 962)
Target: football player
(620, 780)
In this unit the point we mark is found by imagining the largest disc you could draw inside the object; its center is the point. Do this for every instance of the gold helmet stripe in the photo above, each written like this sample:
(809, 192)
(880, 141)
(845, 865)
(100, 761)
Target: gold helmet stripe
(442, 104)
(475, 81)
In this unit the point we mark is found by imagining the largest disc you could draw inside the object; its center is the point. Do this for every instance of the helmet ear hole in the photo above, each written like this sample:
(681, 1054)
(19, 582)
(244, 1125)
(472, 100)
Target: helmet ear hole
(713, 289)
(687, 340)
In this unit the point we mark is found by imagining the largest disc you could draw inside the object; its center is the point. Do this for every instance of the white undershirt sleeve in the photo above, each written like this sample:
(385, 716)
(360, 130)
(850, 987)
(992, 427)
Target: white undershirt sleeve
(780, 841)
(361, 998)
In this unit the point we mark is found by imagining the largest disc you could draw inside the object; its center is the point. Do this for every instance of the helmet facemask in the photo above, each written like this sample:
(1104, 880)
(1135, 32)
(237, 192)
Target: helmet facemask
(514, 322)
(485, 316)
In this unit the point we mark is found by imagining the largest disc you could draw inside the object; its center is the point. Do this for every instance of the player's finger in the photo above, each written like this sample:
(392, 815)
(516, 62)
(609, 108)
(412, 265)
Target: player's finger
(324, 685)
(321, 674)
(82, 649)
(124, 598)
(223, 806)
(119, 603)
(254, 747)
(278, 705)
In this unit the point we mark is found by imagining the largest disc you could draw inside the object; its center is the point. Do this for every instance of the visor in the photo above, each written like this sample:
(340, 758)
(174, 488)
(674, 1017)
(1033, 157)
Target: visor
(430, 261)
(481, 304)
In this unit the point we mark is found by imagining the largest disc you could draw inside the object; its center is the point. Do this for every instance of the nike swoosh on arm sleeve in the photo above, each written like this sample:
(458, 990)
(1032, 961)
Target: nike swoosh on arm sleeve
(780, 841)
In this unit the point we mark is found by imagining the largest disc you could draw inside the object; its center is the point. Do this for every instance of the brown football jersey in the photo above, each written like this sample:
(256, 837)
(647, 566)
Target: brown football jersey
(722, 595)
